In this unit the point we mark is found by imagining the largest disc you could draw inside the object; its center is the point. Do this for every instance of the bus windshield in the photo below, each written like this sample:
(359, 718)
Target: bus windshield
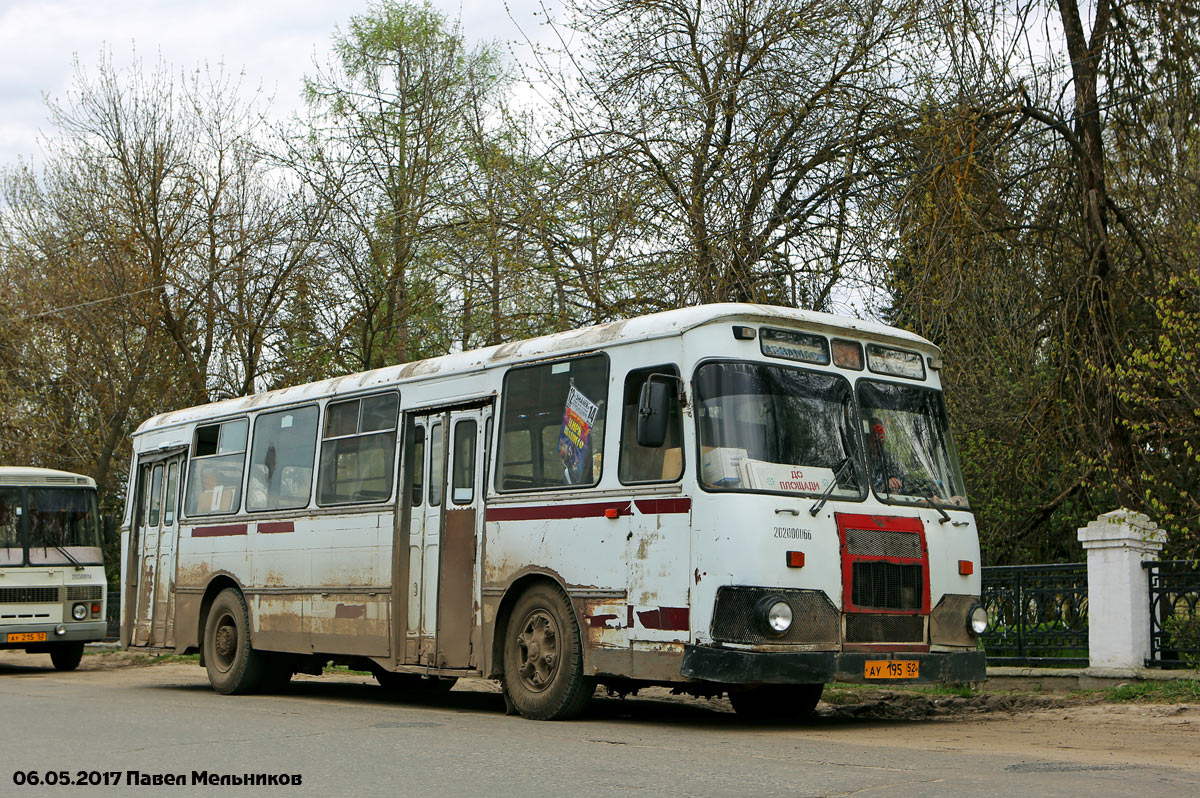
(44, 519)
(777, 429)
(910, 454)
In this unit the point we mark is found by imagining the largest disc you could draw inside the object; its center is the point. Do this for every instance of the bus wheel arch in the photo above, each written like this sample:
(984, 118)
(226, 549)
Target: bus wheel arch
(232, 664)
(538, 648)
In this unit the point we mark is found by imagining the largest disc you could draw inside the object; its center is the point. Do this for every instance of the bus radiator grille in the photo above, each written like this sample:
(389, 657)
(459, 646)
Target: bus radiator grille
(28, 595)
(882, 543)
(885, 629)
(85, 592)
(887, 585)
(816, 619)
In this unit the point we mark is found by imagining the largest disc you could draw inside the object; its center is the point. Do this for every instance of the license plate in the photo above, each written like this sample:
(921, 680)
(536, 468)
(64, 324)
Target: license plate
(26, 637)
(892, 669)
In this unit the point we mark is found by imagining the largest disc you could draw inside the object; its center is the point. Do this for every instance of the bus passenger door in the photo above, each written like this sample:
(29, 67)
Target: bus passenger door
(424, 540)
(463, 502)
(150, 478)
(163, 627)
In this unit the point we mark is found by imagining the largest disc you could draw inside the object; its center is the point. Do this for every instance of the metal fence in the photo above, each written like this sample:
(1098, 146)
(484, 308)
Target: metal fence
(1037, 614)
(1174, 620)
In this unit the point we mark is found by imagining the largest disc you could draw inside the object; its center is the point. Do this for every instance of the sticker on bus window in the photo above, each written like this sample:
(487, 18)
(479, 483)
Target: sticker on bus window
(804, 347)
(761, 475)
(578, 418)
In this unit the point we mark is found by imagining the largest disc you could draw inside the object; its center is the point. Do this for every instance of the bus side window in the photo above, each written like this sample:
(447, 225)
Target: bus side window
(281, 459)
(172, 499)
(642, 463)
(436, 465)
(358, 450)
(463, 480)
(155, 495)
(417, 480)
(552, 424)
(214, 478)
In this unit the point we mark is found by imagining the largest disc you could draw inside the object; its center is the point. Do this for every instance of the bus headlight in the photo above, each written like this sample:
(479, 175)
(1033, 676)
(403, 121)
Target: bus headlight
(79, 612)
(774, 615)
(977, 620)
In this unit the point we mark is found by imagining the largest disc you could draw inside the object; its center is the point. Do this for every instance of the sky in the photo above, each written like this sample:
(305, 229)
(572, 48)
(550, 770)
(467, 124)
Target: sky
(274, 42)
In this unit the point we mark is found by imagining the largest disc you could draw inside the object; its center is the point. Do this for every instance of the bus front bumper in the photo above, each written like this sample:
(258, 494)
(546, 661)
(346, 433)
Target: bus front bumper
(77, 631)
(735, 666)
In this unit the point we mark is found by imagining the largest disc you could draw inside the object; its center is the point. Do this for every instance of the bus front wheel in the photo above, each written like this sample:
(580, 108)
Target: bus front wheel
(776, 702)
(543, 657)
(233, 666)
(66, 656)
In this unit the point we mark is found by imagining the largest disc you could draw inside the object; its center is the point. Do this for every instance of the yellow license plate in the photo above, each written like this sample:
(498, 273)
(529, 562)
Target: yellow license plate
(892, 669)
(27, 637)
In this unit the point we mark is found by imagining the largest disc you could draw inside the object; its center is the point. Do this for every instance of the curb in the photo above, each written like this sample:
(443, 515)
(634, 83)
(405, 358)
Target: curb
(1064, 679)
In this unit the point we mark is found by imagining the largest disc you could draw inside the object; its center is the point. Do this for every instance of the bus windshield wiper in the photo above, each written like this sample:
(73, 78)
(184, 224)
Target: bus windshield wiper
(945, 516)
(837, 472)
(67, 554)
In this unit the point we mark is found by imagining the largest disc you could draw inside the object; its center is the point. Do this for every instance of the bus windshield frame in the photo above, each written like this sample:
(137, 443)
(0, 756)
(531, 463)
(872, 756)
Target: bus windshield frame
(50, 525)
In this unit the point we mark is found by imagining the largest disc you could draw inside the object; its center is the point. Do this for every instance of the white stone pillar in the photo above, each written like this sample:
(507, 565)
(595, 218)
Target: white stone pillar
(1117, 544)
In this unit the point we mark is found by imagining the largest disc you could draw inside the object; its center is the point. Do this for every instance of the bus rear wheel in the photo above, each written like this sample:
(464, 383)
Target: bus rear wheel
(66, 656)
(779, 703)
(543, 657)
(233, 665)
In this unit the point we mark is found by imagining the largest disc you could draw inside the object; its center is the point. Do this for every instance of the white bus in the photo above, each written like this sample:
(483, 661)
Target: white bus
(729, 499)
(52, 584)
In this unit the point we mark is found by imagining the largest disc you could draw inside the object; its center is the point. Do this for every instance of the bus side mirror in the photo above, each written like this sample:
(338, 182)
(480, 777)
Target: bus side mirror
(653, 406)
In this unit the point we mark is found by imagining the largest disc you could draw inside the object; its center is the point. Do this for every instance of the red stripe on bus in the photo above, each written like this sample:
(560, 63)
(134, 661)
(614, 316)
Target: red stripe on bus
(662, 506)
(549, 512)
(271, 527)
(218, 531)
(670, 618)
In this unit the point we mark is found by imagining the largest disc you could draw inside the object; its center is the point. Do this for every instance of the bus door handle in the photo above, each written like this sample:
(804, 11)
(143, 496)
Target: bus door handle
(792, 510)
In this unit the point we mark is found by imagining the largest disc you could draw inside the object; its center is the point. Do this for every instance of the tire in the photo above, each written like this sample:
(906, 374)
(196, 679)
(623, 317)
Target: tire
(779, 703)
(233, 665)
(543, 657)
(66, 656)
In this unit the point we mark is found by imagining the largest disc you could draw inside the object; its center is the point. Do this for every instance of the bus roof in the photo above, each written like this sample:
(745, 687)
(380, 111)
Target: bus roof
(641, 328)
(27, 475)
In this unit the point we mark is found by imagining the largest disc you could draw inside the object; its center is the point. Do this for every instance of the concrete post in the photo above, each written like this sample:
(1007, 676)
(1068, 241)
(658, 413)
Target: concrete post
(1119, 590)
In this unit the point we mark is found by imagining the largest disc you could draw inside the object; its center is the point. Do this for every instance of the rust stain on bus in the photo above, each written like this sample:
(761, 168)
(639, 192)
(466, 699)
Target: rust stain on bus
(350, 611)
(193, 575)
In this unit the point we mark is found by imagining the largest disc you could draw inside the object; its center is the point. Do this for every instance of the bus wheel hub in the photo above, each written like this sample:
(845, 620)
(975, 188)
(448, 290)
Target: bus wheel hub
(538, 642)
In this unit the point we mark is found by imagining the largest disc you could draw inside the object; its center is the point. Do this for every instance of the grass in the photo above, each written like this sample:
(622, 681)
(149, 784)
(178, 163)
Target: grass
(163, 659)
(1178, 691)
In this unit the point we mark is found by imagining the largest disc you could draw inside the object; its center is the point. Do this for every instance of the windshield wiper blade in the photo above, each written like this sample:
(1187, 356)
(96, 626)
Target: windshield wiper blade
(67, 554)
(837, 472)
(945, 516)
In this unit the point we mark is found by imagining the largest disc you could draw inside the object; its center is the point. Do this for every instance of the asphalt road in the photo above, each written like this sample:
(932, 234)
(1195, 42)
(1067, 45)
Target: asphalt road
(343, 736)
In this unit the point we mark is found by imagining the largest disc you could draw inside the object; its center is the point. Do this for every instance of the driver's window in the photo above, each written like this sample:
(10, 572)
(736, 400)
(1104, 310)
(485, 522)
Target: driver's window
(644, 463)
